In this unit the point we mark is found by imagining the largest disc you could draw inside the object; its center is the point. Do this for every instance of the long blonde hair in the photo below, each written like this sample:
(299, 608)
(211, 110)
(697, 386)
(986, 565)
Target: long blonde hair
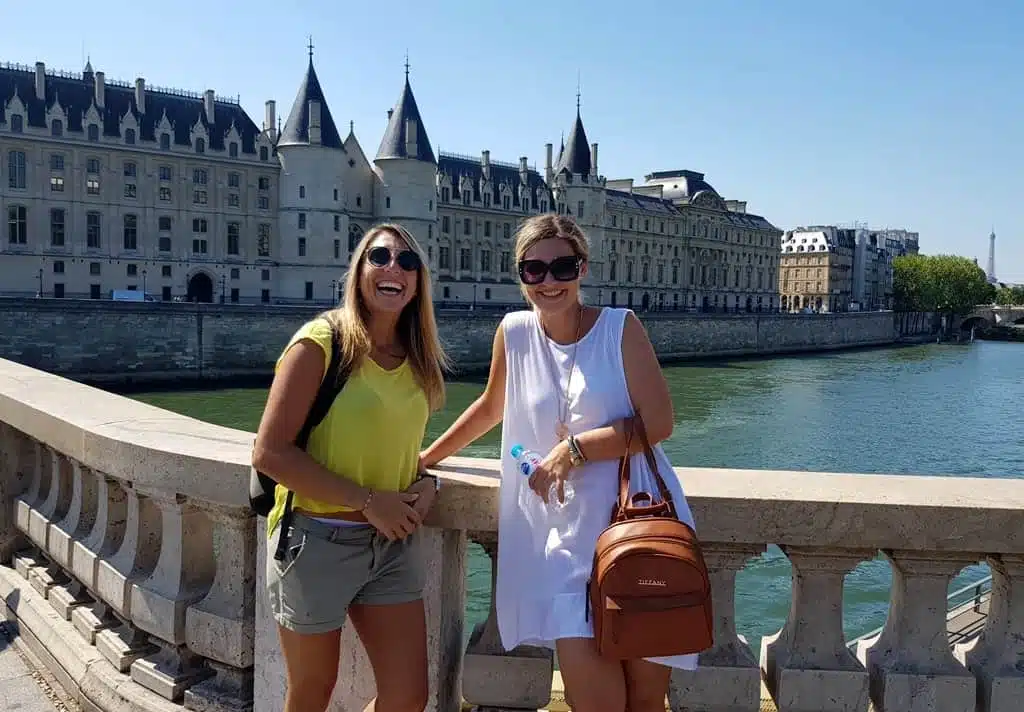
(545, 227)
(417, 327)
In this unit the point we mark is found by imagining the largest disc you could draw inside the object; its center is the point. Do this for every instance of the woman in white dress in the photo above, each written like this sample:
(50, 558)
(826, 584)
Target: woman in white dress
(564, 380)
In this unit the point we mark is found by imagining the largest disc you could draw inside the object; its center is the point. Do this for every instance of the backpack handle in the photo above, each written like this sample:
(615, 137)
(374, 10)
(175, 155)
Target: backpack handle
(623, 510)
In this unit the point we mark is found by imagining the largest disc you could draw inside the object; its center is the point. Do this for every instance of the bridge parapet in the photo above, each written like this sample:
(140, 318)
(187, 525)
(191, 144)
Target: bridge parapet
(993, 315)
(132, 564)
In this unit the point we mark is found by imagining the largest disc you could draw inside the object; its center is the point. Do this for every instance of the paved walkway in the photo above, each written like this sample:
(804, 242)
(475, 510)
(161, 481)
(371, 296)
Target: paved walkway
(23, 686)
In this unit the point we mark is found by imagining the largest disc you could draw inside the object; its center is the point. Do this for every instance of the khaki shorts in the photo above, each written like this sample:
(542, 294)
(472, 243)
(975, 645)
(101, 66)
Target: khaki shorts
(326, 568)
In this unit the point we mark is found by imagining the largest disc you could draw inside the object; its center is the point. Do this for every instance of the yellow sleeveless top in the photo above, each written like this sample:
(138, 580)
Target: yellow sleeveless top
(373, 432)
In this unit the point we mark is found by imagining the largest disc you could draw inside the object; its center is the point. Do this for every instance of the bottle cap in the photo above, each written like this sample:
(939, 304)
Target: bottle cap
(517, 450)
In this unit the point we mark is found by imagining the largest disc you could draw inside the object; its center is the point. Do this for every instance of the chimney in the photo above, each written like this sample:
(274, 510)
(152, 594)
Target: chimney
(208, 103)
(140, 95)
(101, 89)
(485, 164)
(40, 80)
(314, 122)
(270, 118)
(547, 163)
(411, 141)
(593, 159)
(524, 169)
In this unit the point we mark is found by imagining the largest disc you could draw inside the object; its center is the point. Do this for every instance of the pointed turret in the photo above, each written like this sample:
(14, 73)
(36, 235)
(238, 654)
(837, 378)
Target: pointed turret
(310, 121)
(575, 157)
(406, 136)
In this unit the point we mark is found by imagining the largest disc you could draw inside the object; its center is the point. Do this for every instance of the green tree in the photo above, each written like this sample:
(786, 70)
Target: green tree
(949, 284)
(1010, 296)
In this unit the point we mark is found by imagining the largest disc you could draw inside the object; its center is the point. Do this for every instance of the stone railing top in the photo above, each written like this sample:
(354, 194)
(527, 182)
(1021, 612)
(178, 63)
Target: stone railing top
(162, 450)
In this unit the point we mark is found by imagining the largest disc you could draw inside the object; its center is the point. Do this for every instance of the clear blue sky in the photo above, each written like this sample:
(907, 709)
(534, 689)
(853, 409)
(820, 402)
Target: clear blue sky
(900, 113)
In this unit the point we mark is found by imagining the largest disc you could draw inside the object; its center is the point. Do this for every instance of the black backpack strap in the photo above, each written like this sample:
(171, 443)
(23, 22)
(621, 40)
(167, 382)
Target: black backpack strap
(331, 385)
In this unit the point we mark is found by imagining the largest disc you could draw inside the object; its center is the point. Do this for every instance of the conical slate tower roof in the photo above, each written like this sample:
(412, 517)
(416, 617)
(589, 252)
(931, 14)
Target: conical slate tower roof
(296, 128)
(576, 156)
(393, 145)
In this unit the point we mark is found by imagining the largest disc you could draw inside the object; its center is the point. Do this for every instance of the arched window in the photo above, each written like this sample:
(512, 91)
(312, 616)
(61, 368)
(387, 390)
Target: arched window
(354, 235)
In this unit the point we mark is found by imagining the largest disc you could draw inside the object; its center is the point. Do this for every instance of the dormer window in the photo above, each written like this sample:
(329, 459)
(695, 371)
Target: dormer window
(17, 123)
(129, 136)
(263, 153)
(233, 149)
(94, 132)
(165, 142)
(57, 128)
(200, 145)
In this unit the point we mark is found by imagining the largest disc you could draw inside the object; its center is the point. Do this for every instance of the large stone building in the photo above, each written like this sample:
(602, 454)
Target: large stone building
(816, 271)
(828, 269)
(111, 186)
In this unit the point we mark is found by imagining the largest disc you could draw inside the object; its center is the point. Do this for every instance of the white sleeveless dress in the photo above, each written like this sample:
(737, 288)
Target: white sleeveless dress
(544, 556)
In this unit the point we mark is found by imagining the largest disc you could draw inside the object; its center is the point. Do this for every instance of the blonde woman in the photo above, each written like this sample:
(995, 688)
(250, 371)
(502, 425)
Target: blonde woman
(565, 379)
(358, 498)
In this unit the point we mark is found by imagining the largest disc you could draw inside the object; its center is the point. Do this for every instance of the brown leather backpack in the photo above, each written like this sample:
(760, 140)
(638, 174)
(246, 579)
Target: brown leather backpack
(649, 591)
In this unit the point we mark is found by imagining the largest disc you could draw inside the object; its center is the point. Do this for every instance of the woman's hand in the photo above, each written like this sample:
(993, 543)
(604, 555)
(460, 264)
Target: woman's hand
(554, 468)
(426, 491)
(392, 513)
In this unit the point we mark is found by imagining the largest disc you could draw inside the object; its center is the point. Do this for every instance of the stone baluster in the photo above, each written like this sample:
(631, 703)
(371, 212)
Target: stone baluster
(911, 664)
(58, 500)
(995, 656)
(37, 461)
(220, 626)
(183, 573)
(807, 663)
(135, 558)
(15, 478)
(79, 521)
(493, 679)
(727, 678)
(102, 542)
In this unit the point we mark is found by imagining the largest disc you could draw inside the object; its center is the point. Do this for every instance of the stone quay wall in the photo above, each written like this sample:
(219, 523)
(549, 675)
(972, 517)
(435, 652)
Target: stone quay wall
(124, 342)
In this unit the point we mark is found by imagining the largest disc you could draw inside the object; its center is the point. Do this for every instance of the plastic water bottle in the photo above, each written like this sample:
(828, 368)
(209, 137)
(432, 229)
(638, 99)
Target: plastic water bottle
(527, 461)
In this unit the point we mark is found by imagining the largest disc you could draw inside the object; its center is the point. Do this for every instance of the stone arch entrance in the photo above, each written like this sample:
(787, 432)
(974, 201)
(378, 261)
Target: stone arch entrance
(200, 288)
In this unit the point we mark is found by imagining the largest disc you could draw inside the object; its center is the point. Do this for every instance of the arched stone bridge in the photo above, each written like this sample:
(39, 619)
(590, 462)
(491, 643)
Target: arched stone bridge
(987, 315)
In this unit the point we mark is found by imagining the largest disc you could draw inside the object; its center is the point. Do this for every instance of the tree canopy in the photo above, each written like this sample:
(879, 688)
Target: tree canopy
(941, 283)
(1010, 296)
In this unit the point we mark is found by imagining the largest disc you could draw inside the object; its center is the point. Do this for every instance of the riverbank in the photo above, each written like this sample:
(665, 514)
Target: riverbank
(1002, 333)
(121, 344)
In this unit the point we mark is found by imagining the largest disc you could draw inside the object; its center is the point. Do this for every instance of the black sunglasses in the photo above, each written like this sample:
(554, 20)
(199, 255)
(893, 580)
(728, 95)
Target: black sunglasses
(563, 269)
(380, 256)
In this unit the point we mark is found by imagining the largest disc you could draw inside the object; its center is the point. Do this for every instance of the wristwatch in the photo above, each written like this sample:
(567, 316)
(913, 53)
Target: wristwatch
(576, 456)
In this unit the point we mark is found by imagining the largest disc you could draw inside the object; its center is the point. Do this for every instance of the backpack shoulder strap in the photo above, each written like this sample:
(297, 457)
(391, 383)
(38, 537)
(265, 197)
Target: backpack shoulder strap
(330, 386)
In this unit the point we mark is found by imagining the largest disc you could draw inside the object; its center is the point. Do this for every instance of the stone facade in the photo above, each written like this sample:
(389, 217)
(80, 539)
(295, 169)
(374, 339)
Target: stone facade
(108, 185)
(116, 342)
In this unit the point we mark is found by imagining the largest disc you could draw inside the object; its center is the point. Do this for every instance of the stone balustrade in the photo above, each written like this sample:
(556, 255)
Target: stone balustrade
(133, 567)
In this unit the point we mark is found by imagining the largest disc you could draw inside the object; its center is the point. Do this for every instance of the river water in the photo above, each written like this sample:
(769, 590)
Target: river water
(922, 410)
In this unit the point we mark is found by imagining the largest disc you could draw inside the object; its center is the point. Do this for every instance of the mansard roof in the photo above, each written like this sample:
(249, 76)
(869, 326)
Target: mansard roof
(393, 145)
(575, 158)
(296, 128)
(76, 94)
(455, 167)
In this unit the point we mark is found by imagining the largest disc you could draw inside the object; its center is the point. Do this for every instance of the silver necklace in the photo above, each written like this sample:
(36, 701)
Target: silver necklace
(562, 429)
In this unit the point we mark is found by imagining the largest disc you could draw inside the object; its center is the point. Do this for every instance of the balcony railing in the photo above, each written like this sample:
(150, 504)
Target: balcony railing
(131, 562)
